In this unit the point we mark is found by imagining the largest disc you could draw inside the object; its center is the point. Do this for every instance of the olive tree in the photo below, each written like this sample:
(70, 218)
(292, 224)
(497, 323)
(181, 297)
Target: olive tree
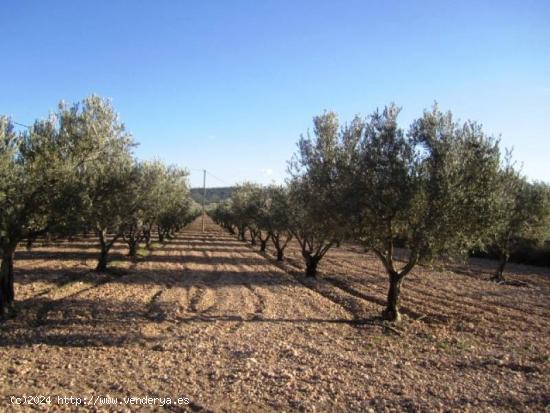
(174, 204)
(222, 214)
(315, 215)
(259, 215)
(37, 189)
(244, 208)
(108, 179)
(275, 215)
(143, 204)
(138, 226)
(522, 210)
(432, 189)
(264, 211)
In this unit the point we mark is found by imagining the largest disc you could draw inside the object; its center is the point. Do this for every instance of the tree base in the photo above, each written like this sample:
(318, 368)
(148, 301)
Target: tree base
(101, 268)
(499, 279)
(311, 266)
(392, 315)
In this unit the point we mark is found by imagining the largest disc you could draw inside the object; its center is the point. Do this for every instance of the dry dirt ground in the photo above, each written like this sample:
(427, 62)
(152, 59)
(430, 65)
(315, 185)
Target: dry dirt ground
(206, 317)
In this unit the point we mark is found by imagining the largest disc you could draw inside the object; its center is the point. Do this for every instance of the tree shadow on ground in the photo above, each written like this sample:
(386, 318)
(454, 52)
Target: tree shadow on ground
(116, 254)
(196, 243)
(79, 322)
(209, 260)
(163, 277)
(66, 244)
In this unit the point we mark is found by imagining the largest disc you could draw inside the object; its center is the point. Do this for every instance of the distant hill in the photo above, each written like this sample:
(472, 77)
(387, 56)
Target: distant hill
(213, 195)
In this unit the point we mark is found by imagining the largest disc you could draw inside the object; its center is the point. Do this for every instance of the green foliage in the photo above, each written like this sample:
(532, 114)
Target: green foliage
(274, 212)
(222, 214)
(458, 176)
(37, 188)
(35, 169)
(246, 202)
(107, 176)
(175, 203)
(317, 217)
(276, 218)
(433, 189)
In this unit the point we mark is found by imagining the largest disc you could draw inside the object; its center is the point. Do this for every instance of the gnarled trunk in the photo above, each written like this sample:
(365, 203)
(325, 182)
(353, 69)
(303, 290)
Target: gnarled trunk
(391, 313)
(147, 236)
(242, 231)
(104, 253)
(280, 247)
(311, 264)
(103, 259)
(253, 236)
(263, 241)
(499, 273)
(6, 280)
(132, 248)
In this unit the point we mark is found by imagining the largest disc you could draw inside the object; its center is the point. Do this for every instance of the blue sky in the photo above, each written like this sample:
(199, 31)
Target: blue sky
(230, 85)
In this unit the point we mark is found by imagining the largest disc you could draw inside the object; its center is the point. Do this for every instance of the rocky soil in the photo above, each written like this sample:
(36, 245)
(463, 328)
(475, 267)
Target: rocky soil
(207, 318)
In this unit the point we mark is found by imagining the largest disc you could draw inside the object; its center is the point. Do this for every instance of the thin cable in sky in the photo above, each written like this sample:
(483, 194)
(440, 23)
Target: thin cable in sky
(219, 179)
(20, 124)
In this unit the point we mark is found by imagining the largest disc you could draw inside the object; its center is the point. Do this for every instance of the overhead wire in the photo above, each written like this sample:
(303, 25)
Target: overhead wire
(219, 179)
(20, 124)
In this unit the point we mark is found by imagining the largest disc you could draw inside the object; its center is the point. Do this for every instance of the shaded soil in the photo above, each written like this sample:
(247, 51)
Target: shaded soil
(208, 318)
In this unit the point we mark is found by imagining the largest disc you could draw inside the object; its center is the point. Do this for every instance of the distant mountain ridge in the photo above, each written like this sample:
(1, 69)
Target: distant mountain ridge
(213, 195)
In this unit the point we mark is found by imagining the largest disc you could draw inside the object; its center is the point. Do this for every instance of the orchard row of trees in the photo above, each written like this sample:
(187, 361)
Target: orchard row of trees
(262, 212)
(440, 188)
(75, 173)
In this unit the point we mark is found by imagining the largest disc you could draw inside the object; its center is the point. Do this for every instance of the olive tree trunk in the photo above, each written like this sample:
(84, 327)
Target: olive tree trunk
(105, 248)
(253, 237)
(103, 258)
(242, 231)
(391, 313)
(311, 264)
(263, 241)
(6, 280)
(280, 246)
(132, 248)
(147, 235)
(499, 273)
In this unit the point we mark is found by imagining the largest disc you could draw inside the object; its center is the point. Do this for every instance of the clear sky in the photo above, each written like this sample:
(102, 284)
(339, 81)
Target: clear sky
(230, 85)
